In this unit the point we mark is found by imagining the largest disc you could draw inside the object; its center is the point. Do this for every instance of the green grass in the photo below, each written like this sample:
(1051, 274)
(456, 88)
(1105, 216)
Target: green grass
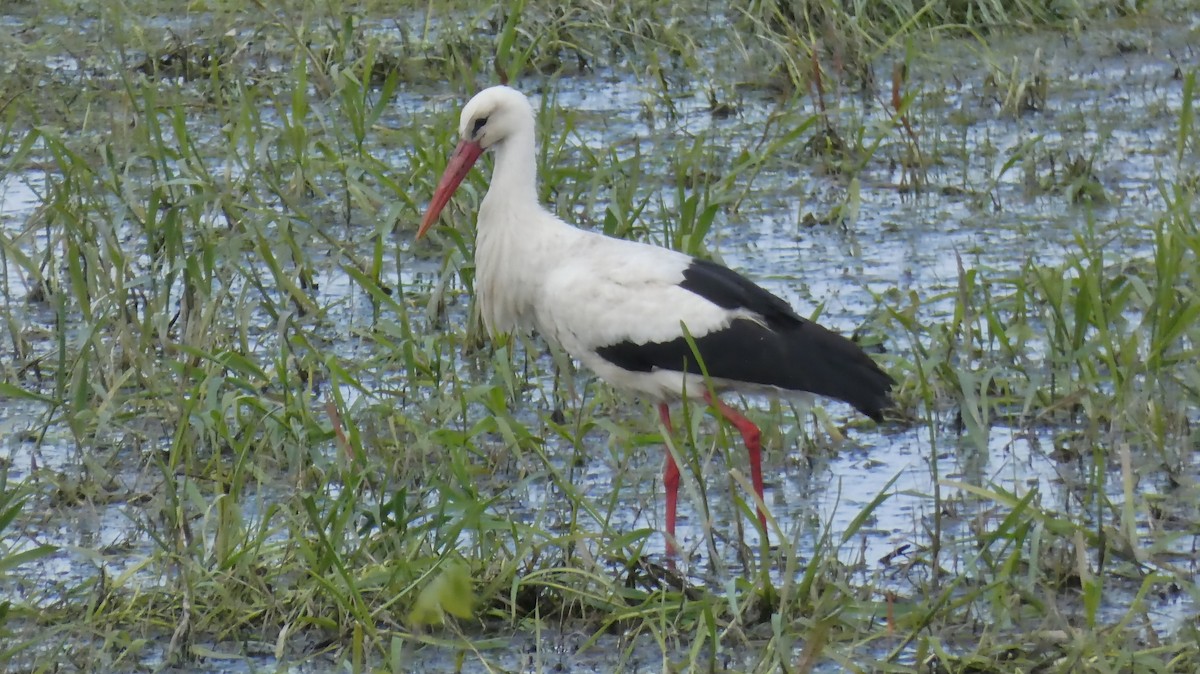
(216, 328)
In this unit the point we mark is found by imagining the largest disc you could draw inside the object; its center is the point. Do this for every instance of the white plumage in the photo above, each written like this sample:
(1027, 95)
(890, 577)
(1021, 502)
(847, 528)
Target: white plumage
(619, 307)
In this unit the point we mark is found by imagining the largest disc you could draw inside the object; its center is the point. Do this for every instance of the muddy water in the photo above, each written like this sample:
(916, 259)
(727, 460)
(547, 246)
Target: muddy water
(1119, 109)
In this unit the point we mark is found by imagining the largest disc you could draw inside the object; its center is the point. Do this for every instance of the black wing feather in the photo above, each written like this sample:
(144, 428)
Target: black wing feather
(787, 352)
(730, 290)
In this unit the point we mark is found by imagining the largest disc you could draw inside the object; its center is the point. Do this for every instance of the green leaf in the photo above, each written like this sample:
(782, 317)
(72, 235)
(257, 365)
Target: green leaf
(8, 390)
(9, 562)
(450, 592)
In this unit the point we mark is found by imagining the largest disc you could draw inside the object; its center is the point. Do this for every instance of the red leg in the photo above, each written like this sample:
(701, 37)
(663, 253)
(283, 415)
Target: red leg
(752, 437)
(670, 480)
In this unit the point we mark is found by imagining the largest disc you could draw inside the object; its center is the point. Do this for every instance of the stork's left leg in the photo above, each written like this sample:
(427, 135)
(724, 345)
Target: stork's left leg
(670, 480)
(752, 437)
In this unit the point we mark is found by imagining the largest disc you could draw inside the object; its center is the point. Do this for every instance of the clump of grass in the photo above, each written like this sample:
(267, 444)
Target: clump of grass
(1017, 92)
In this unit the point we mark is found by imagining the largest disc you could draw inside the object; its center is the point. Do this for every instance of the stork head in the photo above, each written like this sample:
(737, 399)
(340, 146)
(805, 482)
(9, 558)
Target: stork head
(492, 116)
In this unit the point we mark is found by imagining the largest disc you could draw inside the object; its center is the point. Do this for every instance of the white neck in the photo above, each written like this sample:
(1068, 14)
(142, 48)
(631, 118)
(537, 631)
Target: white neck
(517, 241)
(514, 178)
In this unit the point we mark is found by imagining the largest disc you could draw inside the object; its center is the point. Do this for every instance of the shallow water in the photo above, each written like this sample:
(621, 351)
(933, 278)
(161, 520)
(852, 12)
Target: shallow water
(1118, 110)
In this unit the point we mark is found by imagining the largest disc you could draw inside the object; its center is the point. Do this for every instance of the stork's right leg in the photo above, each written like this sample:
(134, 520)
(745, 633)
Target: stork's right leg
(753, 439)
(670, 480)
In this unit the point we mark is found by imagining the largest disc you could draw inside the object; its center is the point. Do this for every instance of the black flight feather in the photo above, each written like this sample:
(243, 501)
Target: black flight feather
(784, 351)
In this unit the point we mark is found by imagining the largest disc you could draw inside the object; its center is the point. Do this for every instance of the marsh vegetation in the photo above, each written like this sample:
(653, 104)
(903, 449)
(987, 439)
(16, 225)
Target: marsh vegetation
(247, 424)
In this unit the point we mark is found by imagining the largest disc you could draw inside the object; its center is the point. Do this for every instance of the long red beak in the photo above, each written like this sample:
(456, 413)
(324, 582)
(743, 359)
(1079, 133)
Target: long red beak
(459, 166)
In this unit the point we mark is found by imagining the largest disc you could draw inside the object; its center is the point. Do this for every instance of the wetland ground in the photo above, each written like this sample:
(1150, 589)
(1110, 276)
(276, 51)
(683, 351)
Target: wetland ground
(247, 424)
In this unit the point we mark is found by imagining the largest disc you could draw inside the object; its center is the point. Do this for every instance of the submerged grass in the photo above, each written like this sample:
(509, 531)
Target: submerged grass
(217, 334)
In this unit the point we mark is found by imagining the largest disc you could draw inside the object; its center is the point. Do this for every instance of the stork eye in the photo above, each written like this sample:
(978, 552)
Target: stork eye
(478, 125)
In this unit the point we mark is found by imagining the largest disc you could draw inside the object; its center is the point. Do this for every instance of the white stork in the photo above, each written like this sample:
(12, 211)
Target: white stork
(620, 307)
